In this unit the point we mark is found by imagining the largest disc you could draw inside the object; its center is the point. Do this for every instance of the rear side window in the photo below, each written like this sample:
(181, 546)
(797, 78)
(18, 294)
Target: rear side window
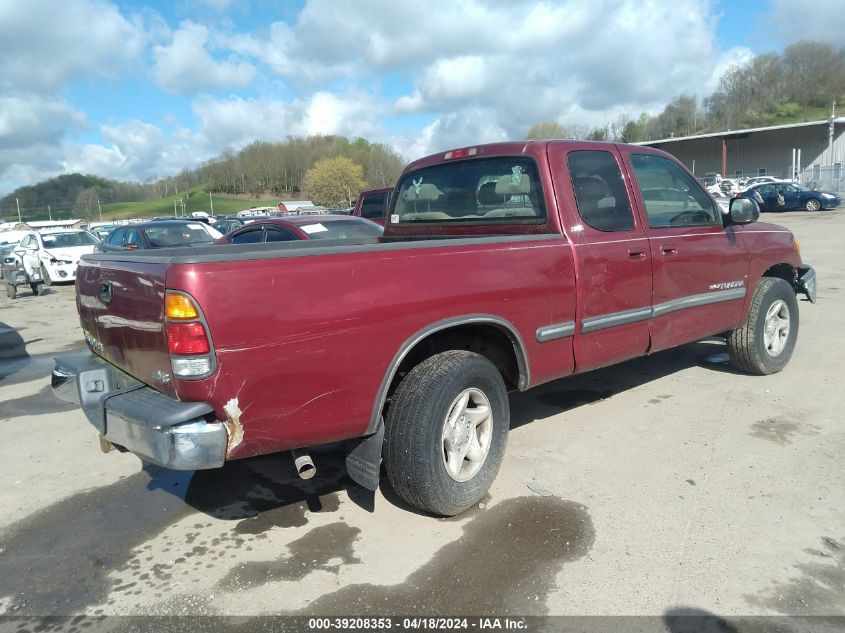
(374, 206)
(116, 238)
(600, 191)
(341, 229)
(671, 196)
(501, 190)
(177, 234)
(249, 236)
(278, 234)
(134, 237)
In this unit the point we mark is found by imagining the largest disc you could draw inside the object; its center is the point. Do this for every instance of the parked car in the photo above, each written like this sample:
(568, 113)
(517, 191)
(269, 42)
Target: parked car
(745, 183)
(226, 224)
(13, 274)
(783, 196)
(407, 345)
(373, 204)
(312, 210)
(158, 234)
(53, 254)
(302, 227)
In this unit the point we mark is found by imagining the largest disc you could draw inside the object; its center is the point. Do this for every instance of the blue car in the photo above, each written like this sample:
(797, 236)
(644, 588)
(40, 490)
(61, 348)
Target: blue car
(783, 196)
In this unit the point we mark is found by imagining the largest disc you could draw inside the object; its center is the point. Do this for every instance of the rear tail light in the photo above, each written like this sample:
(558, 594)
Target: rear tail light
(191, 353)
(187, 339)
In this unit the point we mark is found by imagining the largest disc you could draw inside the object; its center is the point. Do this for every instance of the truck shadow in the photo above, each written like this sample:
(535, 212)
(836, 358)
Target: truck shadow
(265, 492)
(17, 365)
(13, 356)
(565, 394)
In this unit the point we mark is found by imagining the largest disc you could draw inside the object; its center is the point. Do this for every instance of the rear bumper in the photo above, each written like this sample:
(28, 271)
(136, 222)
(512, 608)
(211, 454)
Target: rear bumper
(806, 283)
(150, 424)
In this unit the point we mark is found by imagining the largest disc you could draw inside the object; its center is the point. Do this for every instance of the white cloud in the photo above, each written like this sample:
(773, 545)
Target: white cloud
(235, 121)
(520, 63)
(185, 66)
(816, 20)
(470, 126)
(33, 129)
(473, 70)
(27, 118)
(46, 45)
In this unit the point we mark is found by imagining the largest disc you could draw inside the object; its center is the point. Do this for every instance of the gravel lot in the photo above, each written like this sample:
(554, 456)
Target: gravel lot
(663, 484)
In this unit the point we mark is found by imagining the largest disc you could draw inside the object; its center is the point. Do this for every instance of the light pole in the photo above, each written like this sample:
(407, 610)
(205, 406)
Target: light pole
(830, 135)
(100, 209)
(211, 203)
(17, 202)
(49, 214)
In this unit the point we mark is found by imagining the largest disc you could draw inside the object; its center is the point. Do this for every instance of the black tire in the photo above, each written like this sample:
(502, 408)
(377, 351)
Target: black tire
(414, 446)
(812, 205)
(46, 276)
(34, 288)
(747, 345)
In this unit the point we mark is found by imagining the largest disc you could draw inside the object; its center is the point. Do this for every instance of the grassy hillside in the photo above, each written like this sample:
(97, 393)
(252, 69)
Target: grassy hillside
(195, 199)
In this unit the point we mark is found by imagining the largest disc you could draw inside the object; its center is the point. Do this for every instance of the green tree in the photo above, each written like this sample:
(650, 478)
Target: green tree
(334, 181)
(546, 131)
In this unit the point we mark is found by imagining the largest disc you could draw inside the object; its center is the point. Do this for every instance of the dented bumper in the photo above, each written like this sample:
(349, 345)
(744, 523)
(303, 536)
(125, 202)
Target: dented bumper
(150, 424)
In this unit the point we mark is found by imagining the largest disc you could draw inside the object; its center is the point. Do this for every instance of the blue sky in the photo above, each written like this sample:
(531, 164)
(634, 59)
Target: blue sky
(135, 90)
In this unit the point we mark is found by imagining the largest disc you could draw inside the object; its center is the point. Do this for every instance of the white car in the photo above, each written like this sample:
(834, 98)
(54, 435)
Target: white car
(55, 253)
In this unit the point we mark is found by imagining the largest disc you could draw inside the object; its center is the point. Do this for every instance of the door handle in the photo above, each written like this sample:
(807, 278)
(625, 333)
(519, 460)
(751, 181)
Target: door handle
(636, 253)
(668, 249)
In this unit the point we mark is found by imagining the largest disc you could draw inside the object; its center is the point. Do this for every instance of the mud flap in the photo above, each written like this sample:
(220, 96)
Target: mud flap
(363, 458)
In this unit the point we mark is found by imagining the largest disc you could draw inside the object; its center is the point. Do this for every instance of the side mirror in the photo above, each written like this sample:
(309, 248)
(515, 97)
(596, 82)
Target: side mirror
(743, 211)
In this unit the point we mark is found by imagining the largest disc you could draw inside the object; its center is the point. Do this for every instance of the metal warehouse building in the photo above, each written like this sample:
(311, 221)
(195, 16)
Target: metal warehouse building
(768, 151)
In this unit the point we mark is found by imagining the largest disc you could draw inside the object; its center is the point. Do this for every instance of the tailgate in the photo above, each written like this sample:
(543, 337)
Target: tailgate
(121, 310)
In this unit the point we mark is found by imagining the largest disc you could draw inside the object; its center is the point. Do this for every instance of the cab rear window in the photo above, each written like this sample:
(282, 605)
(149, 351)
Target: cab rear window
(490, 190)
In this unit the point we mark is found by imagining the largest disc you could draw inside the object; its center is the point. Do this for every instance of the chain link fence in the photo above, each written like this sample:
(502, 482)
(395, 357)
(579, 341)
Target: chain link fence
(824, 178)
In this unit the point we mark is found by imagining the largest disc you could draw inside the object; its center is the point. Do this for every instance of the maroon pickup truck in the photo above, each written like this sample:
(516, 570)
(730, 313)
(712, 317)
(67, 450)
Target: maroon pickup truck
(502, 267)
(373, 204)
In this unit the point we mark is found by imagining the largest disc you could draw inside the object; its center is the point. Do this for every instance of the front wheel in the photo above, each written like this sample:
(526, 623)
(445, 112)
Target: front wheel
(812, 205)
(46, 276)
(765, 342)
(446, 432)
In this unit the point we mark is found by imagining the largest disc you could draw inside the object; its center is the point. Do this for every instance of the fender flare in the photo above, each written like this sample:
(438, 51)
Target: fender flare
(504, 325)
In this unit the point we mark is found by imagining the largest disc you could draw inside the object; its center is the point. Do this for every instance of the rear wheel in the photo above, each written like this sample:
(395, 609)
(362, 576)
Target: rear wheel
(446, 432)
(34, 288)
(812, 205)
(764, 344)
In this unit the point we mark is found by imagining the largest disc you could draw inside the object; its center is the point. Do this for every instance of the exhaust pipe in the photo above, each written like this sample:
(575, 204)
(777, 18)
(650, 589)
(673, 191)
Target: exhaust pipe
(305, 468)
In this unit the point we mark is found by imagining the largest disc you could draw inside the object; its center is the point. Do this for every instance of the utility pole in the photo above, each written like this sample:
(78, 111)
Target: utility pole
(211, 203)
(49, 214)
(100, 209)
(830, 134)
(17, 202)
(174, 207)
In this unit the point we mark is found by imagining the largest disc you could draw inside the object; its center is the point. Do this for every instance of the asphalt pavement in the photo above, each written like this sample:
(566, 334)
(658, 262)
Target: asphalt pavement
(667, 484)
